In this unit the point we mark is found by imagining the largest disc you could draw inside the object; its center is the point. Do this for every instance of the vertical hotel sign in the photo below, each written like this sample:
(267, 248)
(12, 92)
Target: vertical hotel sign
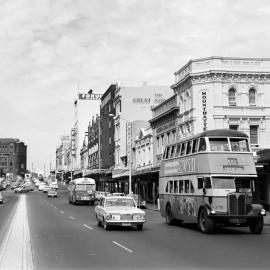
(73, 147)
(204, 96)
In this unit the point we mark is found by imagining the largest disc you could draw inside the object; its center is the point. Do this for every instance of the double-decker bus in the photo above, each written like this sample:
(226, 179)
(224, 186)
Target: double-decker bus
(209, 179)
(82, 190)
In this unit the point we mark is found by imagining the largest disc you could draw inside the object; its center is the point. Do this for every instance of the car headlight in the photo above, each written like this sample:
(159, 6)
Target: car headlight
(116, 217)
(139, 217)
(263, 212)
(108, 216)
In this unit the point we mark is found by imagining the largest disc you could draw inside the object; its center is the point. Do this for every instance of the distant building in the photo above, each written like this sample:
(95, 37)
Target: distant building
(13, 157)
(85, 107)
(62, 156)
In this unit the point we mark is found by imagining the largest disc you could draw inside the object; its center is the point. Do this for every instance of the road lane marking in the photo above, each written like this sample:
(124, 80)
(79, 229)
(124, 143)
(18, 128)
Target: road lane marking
(71, 217)
(127, 249)
(90, 228)
(62, 212)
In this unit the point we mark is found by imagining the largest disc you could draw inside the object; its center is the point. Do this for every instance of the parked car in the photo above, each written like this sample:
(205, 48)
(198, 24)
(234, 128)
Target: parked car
(41, 186)
(54, 185)
(46, 188)
(1, 198)
(21, 189)
(52, 192)
(28, 186)
(119, 211)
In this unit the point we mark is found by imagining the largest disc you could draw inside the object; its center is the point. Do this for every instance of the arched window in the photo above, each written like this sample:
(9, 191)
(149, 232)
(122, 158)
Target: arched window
(252, 97)
(232, 97)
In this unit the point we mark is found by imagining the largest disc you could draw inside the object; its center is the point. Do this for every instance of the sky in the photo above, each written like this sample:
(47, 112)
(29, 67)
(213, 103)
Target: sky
(51, 49)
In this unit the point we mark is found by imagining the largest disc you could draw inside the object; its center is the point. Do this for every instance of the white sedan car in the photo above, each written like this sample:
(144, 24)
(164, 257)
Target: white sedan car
(119, 211)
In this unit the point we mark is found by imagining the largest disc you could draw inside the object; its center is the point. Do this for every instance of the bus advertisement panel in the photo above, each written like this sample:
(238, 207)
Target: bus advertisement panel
(209, 179)
(82, 190)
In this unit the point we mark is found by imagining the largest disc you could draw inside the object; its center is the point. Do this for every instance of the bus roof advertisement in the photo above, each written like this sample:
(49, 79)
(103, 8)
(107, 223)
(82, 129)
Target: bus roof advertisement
(215, 164)
(180, 166)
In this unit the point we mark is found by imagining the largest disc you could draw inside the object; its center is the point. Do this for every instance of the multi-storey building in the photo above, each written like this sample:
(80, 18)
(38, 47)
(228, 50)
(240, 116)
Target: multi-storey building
(132, 111)
(13, 157)
(85, 106)
(107, 146)
(145, 174)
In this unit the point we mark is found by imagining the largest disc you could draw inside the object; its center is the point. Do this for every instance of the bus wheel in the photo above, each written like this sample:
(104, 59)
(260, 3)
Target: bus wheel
(169, 217)
(206, 224)
(256, 225)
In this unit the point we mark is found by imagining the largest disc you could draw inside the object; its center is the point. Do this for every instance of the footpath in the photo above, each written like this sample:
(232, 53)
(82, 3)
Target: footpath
(15, 249)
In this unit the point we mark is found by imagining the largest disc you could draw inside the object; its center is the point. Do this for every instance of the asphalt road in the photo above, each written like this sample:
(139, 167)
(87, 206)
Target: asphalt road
(65, 236)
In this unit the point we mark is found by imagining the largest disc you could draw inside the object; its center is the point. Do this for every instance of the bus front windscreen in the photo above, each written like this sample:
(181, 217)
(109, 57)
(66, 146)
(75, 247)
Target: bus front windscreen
(84, 187)
(223, 183)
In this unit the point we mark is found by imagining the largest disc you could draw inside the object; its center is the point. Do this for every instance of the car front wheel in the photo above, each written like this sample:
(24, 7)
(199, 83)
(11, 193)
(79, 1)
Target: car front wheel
(105, 225)
(140, 227)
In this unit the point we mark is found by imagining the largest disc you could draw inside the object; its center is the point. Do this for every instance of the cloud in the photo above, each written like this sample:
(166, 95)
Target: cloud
(48, 48)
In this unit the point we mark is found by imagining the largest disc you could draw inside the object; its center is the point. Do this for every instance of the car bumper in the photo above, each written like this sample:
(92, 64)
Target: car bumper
(124, 223)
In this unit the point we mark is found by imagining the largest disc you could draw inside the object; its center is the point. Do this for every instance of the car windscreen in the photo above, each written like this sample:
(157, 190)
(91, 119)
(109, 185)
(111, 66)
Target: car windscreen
(120, 202)
(84, 187)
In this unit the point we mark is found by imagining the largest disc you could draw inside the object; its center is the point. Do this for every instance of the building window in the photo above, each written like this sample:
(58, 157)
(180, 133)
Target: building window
(254, 135)
(252, 97)
(232, 97)
(233, 127)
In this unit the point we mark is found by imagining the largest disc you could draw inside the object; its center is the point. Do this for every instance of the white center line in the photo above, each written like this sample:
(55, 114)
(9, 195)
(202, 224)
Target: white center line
(71, 217)
(62, 212)
(127, 249)
(88, 227)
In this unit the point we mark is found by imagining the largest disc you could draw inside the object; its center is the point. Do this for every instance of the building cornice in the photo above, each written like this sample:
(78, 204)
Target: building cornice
(223, 76)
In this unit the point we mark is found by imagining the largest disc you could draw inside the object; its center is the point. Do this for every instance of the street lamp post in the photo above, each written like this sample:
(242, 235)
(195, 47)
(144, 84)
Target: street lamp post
(130, 149)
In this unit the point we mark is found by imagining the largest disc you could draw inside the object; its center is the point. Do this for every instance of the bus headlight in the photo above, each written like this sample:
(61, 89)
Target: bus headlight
(263, 212)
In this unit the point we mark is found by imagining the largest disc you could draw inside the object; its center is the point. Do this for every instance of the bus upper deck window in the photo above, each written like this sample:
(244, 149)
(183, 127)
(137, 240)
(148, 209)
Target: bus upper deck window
(178, 148)
(189, 147)
(172, 155)
(219, 144)
(183, 150)
(239, 144)
(195, 146)
(202, 145)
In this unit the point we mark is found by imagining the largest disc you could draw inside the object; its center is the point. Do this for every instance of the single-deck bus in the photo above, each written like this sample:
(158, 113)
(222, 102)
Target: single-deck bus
(82, 190)
(209, 179)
